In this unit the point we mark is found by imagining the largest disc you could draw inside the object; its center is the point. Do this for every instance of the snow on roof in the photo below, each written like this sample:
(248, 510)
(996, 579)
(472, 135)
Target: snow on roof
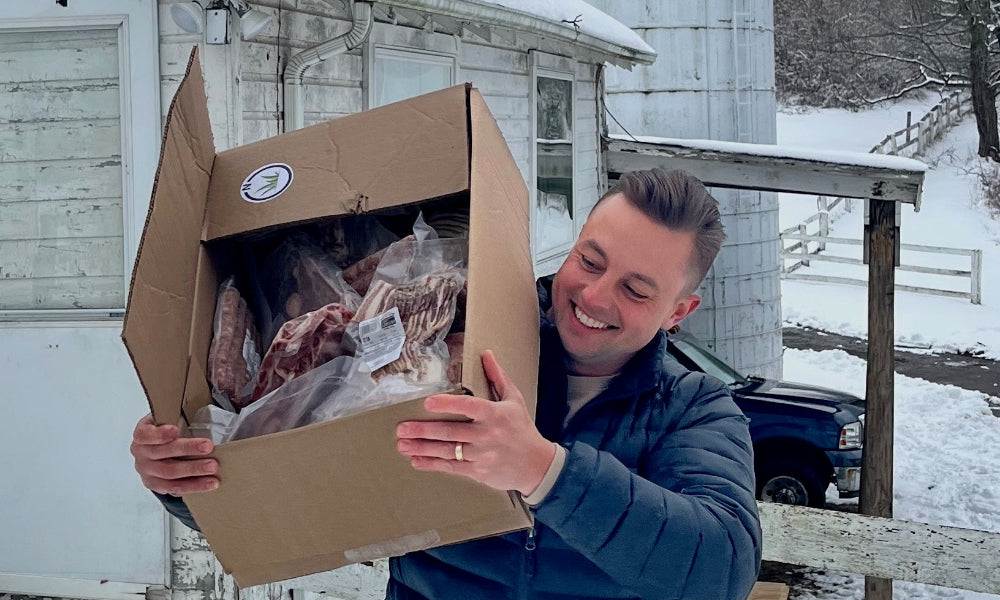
(861, 159)
(588, 19)
(570, 20)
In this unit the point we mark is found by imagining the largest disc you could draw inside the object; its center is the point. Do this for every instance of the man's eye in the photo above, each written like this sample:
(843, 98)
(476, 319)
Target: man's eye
(634, 294)
(587, 263)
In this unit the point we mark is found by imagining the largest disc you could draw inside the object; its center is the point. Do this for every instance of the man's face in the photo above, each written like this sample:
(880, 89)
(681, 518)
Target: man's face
(623, 281)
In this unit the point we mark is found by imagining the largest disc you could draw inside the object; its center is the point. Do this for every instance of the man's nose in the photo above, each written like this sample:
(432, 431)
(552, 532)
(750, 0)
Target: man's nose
(598, 292)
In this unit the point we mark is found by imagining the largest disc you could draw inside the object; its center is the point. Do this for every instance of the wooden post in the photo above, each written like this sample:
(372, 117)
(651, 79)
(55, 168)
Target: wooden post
(824, 229)
(909, 123)
(805, 245)
(876, 465)
(976, 291)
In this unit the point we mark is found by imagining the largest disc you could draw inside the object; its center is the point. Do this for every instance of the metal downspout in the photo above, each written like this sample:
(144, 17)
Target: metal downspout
(361, 26)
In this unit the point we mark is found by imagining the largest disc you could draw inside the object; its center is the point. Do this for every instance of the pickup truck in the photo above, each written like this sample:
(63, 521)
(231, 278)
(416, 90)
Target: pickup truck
(805, 437)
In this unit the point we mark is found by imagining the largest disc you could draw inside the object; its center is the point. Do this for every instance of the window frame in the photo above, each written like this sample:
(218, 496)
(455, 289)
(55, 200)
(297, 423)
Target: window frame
(561, 68)
(418, 55)
(139, 101)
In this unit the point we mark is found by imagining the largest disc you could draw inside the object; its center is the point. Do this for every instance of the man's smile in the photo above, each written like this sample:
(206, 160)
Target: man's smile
(587, 320)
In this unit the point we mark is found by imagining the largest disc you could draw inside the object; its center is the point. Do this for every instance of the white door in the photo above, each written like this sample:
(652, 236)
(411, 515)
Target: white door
(79, 140)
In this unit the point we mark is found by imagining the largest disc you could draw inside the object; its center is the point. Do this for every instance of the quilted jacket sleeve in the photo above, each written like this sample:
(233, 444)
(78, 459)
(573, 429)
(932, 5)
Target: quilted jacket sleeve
(687, 525)
(176, 506)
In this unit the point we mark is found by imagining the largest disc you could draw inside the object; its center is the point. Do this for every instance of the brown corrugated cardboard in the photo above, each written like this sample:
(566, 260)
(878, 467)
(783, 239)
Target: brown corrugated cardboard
(322, 496)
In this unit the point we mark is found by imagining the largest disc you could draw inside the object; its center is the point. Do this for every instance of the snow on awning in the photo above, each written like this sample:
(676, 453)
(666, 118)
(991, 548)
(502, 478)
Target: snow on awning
(572, 21)
(768, 167)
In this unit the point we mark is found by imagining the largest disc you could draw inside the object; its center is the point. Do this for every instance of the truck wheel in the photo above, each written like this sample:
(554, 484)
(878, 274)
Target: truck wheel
(790, 482)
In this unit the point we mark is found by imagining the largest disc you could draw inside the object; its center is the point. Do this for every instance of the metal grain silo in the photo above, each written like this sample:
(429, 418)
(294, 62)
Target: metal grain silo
(714, 79)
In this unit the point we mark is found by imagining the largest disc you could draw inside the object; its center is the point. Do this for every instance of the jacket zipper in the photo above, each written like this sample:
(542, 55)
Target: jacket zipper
(528, 573)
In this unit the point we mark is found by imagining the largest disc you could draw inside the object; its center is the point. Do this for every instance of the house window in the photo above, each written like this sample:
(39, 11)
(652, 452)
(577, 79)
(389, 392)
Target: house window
(62, 239)
(554, 227)
(398, 74)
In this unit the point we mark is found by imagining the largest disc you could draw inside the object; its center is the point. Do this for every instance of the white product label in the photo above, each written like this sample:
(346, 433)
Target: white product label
(266, 183)
(382, 338)
(250, 355)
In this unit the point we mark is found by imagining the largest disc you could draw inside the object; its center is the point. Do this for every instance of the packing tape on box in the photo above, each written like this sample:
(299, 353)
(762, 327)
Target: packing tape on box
(395, 547)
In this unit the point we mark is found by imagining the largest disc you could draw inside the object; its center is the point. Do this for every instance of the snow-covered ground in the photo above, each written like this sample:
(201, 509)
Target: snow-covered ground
(950, 215)
(941, 432)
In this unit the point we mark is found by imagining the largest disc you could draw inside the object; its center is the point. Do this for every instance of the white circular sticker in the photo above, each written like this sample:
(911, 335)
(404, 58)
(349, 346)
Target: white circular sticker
(266, 183)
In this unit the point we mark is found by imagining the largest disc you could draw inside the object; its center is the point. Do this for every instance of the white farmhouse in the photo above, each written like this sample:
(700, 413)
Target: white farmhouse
(86, 85)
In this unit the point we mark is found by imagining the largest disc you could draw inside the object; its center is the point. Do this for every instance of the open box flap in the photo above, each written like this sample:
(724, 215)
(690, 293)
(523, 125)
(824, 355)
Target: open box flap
(396, 154)
(161, 295)
(500, 265)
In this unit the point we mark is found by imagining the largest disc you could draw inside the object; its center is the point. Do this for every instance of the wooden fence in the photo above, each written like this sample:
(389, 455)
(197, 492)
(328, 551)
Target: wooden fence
(911, 140)
(802, 254)
(953, 557)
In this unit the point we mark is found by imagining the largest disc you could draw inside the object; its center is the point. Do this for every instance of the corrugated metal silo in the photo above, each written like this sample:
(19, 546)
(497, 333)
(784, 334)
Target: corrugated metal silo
(714, 79)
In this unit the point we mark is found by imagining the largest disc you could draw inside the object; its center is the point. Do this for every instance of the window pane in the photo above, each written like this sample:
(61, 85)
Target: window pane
(554, 154)
(61, 229)
(398, 77)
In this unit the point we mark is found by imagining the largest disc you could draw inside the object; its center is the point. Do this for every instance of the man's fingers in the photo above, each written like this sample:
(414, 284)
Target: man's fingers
(149, 434)
(435, 430)
(178, 448)
(468, 406)
(503, 387)
(434, 449)
(179, 487)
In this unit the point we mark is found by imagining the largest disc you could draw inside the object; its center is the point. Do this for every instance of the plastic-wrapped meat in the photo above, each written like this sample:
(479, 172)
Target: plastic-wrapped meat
(301, 345)
(426, 309)
(234, 356)
(359, 275)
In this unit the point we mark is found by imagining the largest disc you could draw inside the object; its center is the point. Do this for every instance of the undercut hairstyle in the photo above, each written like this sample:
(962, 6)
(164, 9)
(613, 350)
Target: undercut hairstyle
(680, 202)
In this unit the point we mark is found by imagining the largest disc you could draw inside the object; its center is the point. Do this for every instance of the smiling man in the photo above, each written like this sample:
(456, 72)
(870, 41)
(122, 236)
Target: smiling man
(639, 472)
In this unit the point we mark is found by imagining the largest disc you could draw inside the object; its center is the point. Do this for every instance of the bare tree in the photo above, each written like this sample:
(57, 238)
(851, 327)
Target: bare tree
(886, 49)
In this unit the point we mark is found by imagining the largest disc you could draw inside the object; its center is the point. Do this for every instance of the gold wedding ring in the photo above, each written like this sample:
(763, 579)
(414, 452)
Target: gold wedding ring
(458, 452)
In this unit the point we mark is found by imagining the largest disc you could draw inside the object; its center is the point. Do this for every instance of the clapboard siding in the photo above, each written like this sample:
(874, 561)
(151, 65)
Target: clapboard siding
(51, 219)
(61, 214)
(74, 257)
(57, 180)
(53, 59)
(60, 140)
(502, 76)
(97, 98)
(61, 293)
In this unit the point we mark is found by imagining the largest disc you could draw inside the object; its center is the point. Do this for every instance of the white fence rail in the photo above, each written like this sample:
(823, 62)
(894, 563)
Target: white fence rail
(953, 557)
(807, 242)
(802, 254)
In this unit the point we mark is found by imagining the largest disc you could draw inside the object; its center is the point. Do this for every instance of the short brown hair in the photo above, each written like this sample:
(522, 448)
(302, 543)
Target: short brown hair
(679, 201)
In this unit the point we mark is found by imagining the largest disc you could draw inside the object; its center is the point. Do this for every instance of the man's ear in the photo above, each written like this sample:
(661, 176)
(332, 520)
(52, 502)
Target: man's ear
(684, 307)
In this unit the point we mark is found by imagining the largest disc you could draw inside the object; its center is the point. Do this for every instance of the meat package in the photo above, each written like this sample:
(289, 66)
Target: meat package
(426, 309)
(316, 367)
(234, 356)
(301, 345)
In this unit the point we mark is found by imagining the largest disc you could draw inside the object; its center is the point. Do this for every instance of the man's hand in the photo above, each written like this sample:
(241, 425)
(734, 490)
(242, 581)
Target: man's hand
(170, 464)
(500, 447)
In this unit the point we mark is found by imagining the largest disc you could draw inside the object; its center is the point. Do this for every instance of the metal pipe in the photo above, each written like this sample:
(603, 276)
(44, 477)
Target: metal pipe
(361, 26)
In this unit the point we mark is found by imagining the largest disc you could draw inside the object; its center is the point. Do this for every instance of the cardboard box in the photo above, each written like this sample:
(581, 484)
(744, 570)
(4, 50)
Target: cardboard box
(319, 497)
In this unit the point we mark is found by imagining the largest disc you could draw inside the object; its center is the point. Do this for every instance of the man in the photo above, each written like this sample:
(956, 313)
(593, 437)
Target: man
(639, 472)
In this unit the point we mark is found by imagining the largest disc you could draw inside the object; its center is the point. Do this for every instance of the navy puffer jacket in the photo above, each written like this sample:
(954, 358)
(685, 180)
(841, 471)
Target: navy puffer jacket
(656, 499)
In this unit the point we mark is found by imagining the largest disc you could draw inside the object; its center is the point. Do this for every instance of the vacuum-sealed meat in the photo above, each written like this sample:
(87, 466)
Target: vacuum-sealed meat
(234, 356)
(301, 345)
(426, 309)
(359, 275)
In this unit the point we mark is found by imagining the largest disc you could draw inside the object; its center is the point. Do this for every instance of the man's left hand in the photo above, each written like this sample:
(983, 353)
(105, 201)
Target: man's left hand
(500, 447)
